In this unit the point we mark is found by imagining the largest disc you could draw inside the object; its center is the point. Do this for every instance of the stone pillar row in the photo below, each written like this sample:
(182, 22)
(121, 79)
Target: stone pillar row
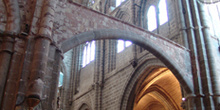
(206, 92)
(192, 44)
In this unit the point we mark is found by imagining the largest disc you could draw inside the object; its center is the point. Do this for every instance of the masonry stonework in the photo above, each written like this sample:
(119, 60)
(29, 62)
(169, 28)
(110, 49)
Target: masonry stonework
(41, 38)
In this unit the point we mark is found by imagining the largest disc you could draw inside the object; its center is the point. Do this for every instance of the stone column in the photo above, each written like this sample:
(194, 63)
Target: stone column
(5, 57)
(38, 69)
(41, 51)
(55, 79)
(51, 79)
(12, 29)
(211, 59)
(14, 75)
(192, 42)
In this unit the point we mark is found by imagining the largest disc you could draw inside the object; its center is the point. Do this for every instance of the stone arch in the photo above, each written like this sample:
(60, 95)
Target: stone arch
(135, 81)
(164, 56)
(84, 106)
(164, 97)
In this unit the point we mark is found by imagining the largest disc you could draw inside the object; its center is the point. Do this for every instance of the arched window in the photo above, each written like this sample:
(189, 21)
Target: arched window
(121, 45)
(88, 53)
(163, 18)
(151, 17)
(118, 2)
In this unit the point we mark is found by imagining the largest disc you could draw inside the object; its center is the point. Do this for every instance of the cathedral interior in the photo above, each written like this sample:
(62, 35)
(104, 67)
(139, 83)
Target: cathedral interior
(109, 54)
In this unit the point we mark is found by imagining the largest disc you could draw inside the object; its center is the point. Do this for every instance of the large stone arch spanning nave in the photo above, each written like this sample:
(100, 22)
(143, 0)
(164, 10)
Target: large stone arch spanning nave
(117, 34)
(72, 24)
(77, 24)
(99, 26)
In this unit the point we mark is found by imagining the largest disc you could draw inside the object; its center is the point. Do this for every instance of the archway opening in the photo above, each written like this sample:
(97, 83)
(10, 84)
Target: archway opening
(177, 66)
(160, 90)
(145, 43)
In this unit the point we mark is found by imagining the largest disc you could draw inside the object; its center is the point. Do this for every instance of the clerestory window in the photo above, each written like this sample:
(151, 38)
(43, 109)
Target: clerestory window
(213, 14)
(151, 17)
(88, 53)
(121, 45)
(163, 18)
(118, 2)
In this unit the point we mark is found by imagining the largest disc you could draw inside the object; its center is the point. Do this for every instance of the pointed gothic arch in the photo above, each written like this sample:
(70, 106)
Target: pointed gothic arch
(84, 106)
(133, 86)
(128, 94)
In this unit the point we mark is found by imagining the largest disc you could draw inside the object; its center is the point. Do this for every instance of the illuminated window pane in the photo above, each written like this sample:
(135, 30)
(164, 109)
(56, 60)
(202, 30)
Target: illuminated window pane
(88, 53)
(92, 50)
(118, 2)
(60, 79)
(127, 43)
(84, 56)
(151, 17)
(120, 46)
(163, 12)
(212, 11)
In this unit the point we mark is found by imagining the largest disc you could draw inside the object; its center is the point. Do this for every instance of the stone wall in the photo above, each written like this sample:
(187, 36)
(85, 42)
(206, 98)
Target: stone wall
(115, 81)
(32, 31)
